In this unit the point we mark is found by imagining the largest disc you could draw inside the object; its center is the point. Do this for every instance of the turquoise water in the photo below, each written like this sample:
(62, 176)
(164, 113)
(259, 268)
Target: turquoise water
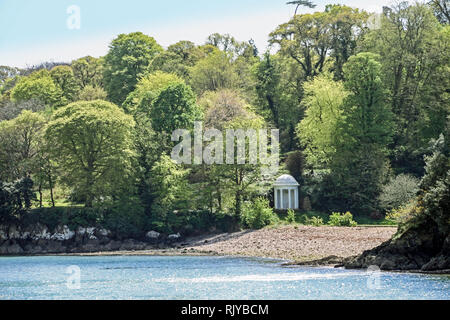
(150, 277)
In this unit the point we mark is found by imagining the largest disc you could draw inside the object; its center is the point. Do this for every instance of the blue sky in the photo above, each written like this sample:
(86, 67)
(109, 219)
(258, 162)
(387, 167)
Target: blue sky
(35, 31)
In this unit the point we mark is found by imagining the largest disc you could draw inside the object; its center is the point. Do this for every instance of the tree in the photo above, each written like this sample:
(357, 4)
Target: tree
(364, 132)
(91, 140)
(175, 108)
(441, 10)
(38, 86)
(15, 199)
(310, 39)
(213, 72)
(414, 50)
(63, 77)
(147, 90)
(323, 102)
(299, 3)
(88, 71)
(170, 190)
(12, 109)
(305, 38)
(20, 143)
(89, 93)
(178, 58)
(128, 59)
(223, 106)
(346, 130)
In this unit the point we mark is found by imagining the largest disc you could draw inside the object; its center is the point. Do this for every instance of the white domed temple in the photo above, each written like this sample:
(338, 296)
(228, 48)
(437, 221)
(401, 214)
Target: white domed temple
(286, 193)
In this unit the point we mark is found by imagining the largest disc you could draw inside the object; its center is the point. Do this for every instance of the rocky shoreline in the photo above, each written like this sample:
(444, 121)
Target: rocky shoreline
(39, 240)
(297, 245)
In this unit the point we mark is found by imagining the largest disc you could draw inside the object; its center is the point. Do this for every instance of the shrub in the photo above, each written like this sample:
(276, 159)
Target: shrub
(15, 199)
(73, 217)
(404, 213)
(258, 214)
(126, 218)
(290, 216)
(343, 220)
(314, 221)
(398, 192)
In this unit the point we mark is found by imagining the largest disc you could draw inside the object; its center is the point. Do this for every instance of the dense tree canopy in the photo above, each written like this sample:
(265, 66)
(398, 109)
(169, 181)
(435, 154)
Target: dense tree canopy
(127, 60)
(92, 143)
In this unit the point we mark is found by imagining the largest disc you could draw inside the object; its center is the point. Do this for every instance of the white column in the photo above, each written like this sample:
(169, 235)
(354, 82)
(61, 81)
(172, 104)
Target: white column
(289, 196)
(281, 198)
(296, 198)
(276, 198)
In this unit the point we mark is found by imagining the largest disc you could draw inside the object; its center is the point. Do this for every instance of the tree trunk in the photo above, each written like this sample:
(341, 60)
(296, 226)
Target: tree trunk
(40, 194)
(50, 183)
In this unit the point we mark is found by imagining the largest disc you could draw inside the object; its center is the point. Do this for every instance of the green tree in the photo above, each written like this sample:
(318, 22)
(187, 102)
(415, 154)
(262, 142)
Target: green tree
(92, 143)
(414, 50)
(170, 190)
(175, 108)
(128, 59)
(177, 59)
(148, 89)
(38, 86)
(310, 39)
(214, 72)
(88, 71)
(299, 3)
(20, 143)
(63, 77)
(89, 93)
(364, 132)
(324, 99)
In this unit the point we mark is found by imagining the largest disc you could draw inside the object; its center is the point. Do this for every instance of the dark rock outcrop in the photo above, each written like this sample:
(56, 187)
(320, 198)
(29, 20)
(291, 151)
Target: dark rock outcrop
(419, 248)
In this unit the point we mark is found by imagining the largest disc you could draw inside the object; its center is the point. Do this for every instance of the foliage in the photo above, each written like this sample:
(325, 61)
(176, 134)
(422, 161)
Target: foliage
(290, 216)
(147, 90)
(73, 217)
(258, 214)
(343, 220)
(91, 141)
(88, 71)
(90, 93)
(324, 99)
(213, 72)
(404, 213)
(414, 51)
(64, 78)
(40, 87)
(170, 190)
(398, 192)
(177, 59)
(312, 221)
(175, 108)
(125, 218)
(20, 142)
(127, 61)
(15, 199)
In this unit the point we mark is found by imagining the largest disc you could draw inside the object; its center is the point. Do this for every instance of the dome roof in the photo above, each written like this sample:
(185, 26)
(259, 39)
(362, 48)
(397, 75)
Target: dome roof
(286, 180)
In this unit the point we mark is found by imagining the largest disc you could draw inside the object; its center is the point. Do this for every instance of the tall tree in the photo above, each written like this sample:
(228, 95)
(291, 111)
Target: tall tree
(128, 59)
(88, 71)
(91, 140)
(299, 3)
(20, 142)
(414, 50)
(38, 86)
(175, 108)
(63, 77)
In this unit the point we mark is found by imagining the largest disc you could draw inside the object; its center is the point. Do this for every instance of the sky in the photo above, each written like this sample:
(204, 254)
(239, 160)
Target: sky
(33, 31)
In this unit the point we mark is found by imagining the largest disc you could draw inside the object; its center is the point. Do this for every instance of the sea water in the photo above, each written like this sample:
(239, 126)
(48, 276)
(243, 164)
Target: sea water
(203, 277)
